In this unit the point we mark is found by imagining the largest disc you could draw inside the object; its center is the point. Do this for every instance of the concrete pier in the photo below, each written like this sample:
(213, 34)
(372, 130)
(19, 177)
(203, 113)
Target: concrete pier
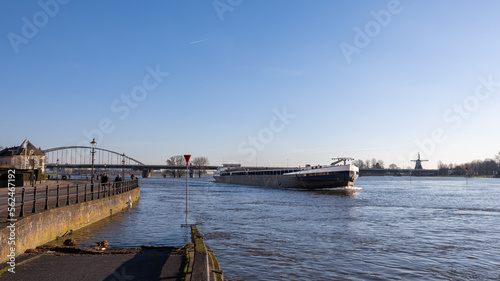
(193, 262)
(202, 262)
(37, 229)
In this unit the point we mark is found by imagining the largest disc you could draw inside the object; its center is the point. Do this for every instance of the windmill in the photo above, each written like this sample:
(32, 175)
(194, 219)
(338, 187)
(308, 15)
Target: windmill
(418, 163)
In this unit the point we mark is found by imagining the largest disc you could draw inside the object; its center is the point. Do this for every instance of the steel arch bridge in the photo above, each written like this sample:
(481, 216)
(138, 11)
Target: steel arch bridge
(81, 155)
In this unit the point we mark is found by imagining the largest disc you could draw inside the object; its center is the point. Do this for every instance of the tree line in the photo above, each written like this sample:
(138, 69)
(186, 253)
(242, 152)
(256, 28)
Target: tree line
(371, 164)
(200, 163)
(484, 167)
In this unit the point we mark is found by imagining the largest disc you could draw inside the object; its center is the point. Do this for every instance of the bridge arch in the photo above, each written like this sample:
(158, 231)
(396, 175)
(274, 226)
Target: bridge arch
(82, 155)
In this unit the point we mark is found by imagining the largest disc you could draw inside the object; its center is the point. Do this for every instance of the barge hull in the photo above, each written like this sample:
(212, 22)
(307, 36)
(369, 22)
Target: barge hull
(287, 181)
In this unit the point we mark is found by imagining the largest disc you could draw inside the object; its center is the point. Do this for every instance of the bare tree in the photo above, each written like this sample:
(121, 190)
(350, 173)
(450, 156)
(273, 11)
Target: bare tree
(380, 164)
(177, 160)
(393, 166)
(201, 164)
(497, 157)
(359, 163)
(443, 168)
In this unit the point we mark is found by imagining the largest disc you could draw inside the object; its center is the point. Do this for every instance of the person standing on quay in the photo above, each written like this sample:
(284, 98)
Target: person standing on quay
(104, 179)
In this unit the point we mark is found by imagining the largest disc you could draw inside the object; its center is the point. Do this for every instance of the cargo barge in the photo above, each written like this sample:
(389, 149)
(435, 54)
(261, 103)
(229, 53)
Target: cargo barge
(340, 173)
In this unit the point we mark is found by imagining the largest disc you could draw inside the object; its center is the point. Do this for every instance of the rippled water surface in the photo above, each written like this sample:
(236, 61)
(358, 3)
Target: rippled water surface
(392, 228)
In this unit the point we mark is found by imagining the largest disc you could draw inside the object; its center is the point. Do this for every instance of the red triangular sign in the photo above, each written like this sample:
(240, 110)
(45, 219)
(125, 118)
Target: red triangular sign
(187, 159)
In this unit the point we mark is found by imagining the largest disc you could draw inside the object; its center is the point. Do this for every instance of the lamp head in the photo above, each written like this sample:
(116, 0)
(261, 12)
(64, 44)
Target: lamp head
(93, 144)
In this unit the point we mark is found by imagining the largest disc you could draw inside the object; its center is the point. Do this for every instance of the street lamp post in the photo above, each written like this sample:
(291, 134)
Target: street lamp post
(123, 166)
(93, 144)
(57, 170)
(33, 168)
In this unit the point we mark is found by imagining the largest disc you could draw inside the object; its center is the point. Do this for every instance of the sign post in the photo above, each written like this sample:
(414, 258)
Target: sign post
(467, 175)
(187, 157)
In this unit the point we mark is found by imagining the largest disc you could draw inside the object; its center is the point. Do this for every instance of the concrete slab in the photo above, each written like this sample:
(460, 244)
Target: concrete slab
(125, 264)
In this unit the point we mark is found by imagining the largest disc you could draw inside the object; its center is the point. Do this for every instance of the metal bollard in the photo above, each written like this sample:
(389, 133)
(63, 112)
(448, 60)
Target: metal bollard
(99, 191)
(67, 196)
(22, 204)
(9, 217)
(47, 198)
(34, 201)
(77, 194)
(85, 198)
(57, 203)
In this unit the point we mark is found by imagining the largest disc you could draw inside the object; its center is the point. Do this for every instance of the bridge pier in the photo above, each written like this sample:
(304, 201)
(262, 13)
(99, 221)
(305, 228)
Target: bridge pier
(146, 173)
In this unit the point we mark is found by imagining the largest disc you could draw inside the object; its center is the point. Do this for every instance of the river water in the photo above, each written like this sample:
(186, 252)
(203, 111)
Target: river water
(397, 228)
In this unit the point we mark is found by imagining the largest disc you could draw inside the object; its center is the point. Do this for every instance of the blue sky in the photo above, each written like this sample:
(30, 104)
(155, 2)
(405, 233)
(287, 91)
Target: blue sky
(266, 82)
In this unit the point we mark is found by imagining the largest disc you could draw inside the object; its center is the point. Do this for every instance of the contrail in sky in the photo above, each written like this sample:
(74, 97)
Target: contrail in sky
(199, 41)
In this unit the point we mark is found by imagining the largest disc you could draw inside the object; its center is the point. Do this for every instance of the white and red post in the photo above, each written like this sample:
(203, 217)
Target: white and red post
(187, 157)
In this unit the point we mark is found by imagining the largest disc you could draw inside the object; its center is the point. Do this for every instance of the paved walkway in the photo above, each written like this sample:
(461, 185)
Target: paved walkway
(49, 183)
(125, 264)
(41, 188)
